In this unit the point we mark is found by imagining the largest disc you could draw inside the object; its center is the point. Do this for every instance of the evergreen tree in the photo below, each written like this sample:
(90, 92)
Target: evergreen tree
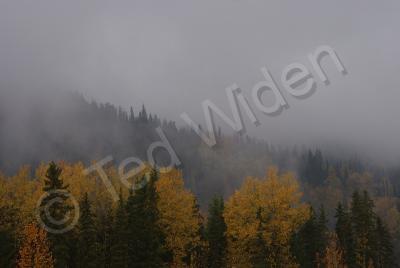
(58, 210)
(143, 115)
(311, 241)
(119, 243)
(131, 115)
(322, 238)
(383, 250)
(145, 237)
(105, 233)
(344, 233)
(197, 252)
(87, 242)
(8, 228)
(363, 224)
(215, 232)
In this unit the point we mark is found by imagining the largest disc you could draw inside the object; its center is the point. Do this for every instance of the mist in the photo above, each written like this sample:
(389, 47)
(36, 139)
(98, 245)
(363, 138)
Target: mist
(172, 56)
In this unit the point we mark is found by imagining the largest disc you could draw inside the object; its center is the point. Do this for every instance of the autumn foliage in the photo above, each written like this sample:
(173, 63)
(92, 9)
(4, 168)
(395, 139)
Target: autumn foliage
(35, 249)
(261, 217)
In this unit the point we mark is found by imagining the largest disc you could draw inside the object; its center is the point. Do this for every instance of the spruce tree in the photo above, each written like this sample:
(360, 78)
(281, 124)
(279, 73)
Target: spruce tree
(215, 232)
(322, 239)
(363, 224)
(105, 221)
(58, 211)
(310, 242)
(87, 242)
(344, 233)
(383, 250)
(119, 241)
(145, 237)
(8, 238)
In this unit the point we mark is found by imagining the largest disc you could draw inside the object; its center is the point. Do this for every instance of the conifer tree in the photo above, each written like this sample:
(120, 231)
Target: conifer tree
(105, 233)
(58, 211)
(344, 233)
(35, 249)
(145, 237)
(8, 228)
(306, 241)
(87, 242)
(215, 232)
(322, 238)
(383, 250)
(119, 244)
(363, 224)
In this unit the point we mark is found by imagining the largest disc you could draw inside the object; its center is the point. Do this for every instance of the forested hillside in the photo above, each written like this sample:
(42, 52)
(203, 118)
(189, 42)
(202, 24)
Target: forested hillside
(314, 209)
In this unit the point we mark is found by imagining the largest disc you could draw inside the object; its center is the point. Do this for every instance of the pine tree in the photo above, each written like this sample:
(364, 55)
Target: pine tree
(131, 115)
(57, 211)
(87, 242)
(306, 241)
(322, 238)
(215, 233)
(363, 224)
(383, 250)
(344, 233)
(145, 237)
(8, 228)
(35, 249)
(105, 233)
(119, 240)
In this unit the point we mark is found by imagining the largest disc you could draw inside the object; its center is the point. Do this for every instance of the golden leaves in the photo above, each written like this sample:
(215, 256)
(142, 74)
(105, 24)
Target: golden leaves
(264, 209)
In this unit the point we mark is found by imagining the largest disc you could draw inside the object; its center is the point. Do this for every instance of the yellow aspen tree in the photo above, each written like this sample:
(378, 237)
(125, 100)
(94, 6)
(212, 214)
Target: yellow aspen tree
(179, 220)
(35, 250)
(261, 217)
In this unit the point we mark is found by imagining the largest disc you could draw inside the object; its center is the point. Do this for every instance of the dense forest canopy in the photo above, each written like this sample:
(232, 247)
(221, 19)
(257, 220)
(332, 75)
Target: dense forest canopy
(67, 128)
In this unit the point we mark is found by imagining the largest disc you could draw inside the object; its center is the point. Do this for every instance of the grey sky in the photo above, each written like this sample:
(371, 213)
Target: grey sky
(171, 55)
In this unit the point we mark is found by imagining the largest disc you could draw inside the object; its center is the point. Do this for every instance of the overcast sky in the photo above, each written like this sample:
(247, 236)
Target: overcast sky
(172, 55)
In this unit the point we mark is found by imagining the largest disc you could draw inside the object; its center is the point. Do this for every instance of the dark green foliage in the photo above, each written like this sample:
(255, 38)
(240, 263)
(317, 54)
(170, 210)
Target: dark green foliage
(362, 235)
(363, 223)
(105, 222)
(345, 235)
(119, 244)
(215, 233)
(88, 248)
(8, 245)
(58, 211)
(144, 236)
(383, 250)
(313, 168)
(310, 242)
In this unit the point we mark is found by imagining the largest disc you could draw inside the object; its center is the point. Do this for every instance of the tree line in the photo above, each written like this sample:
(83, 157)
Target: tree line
(158, 223)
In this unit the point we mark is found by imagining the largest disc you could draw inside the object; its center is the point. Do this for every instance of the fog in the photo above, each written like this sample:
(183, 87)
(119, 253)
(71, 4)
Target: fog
(172, 55)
